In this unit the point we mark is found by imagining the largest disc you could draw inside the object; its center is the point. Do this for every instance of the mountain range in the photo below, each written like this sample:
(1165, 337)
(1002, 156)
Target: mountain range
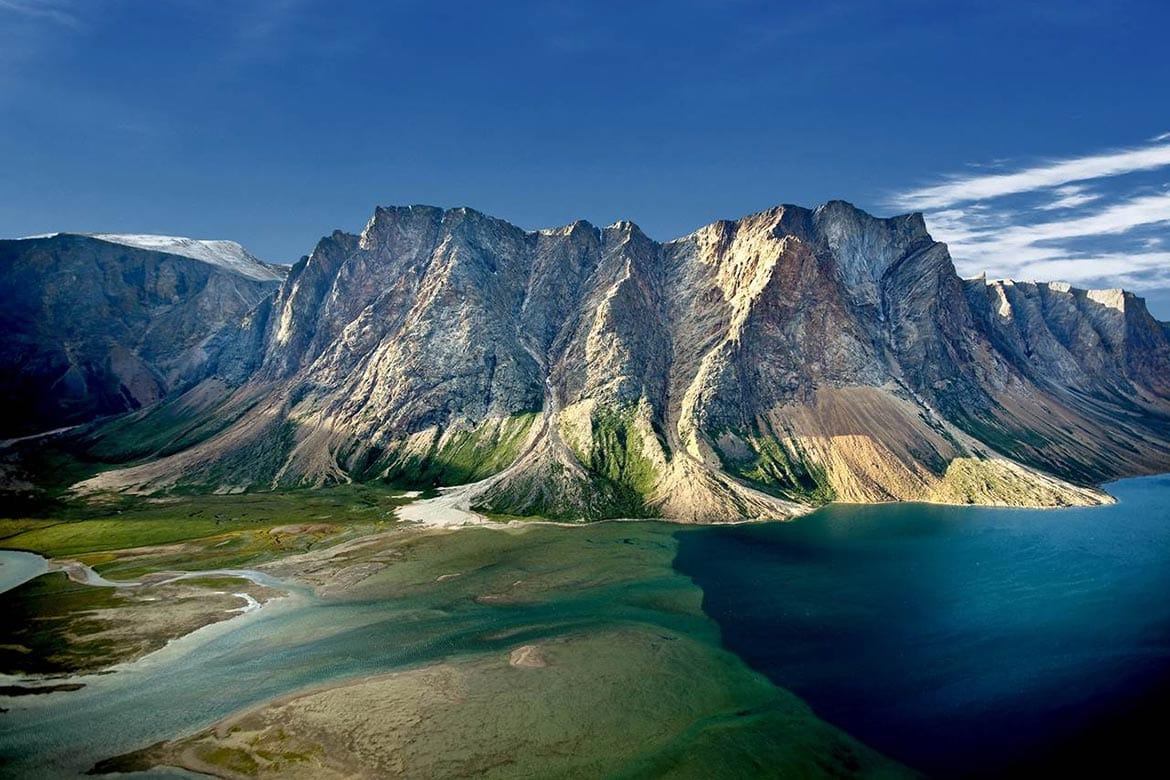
(751, 369)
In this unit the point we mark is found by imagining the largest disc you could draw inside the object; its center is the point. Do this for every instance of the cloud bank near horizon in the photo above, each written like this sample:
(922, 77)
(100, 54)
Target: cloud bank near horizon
(1098, 220)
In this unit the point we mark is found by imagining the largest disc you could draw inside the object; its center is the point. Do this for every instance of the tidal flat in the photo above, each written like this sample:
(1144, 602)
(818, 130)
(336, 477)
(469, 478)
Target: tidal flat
(498, 652)
(856, 641)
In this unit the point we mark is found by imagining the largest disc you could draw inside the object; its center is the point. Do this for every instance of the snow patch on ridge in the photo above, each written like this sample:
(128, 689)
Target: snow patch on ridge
(225, 254)
(228, 255)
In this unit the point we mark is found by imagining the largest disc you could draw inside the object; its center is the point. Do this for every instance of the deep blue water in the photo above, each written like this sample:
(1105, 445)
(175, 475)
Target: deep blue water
(962, 641)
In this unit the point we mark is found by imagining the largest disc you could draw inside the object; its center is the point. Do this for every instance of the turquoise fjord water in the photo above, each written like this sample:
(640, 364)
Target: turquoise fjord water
(17, 568)
(961, 641)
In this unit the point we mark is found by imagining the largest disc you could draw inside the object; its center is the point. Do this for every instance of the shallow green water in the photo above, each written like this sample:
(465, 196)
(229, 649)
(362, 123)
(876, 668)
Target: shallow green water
(961, 641)
(509, 588)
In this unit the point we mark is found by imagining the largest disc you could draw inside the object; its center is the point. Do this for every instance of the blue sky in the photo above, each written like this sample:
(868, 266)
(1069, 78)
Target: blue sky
(274, 122)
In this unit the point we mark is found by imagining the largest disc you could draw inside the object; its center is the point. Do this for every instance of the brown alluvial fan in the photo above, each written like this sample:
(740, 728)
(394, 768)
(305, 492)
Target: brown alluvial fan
(749, 370)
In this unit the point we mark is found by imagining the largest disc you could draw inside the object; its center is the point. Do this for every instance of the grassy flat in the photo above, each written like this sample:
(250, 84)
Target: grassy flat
(121, 523)
(54, 625)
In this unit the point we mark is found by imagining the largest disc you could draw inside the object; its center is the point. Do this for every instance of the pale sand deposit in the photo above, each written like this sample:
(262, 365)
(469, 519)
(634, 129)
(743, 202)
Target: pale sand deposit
(641, 701)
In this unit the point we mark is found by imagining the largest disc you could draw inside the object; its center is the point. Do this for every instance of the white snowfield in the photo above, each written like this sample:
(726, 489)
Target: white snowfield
(224, 254)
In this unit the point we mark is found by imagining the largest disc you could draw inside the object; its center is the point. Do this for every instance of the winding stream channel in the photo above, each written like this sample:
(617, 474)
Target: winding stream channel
(959, 641)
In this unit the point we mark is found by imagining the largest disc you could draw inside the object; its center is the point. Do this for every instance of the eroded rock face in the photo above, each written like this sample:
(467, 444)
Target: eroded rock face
(751, 368)
(94, 327)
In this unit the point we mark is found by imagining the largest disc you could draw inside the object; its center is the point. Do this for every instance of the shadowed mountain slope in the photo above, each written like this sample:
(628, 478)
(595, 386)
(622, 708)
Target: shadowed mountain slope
(96, 326)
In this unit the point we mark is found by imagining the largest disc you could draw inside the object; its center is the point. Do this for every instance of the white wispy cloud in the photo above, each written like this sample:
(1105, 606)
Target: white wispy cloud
(1112, 220)
(1091, 220)
(58, 11)
(1069, 197)
(31, 32)
(1046, 175)
(1134, 271)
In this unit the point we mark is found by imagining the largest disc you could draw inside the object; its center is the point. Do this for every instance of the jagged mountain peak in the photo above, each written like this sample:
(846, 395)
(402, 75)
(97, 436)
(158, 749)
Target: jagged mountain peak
(575, 227)
(1116, 298)
(749, 368)
(389, 222)
(833, 218)
(625, 226)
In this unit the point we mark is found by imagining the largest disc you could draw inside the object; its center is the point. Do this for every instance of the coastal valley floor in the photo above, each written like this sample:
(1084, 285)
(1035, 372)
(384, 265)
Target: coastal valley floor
(379, 646)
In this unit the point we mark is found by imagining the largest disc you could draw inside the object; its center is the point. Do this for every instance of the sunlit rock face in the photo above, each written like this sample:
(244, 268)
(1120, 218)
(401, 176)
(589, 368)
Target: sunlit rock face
(753, 368)
(98, 325)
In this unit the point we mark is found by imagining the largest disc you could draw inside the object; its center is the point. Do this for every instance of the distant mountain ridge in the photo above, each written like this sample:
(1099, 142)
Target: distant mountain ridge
(229, 255)
(753, 368)
(98, 325)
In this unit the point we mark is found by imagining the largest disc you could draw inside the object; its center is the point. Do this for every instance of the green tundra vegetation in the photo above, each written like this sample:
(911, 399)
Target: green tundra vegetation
(202, 531)
(781, 471)
(617, 455)
(464, 456)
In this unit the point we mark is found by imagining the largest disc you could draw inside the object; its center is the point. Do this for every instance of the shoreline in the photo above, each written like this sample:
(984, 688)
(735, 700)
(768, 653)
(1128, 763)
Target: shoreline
(326, 572)
(426, 718)
(336, 568)
(446, 515)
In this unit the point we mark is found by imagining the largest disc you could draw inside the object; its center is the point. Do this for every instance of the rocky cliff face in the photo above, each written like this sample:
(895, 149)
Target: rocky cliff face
(96, 325)
(750, 369)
